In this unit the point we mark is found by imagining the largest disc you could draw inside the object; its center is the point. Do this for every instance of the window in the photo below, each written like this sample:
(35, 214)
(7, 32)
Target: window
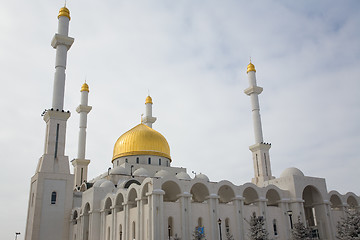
(170, 227)
(275, 227)
(149, 160)
(159, 161)
(117, 162)
(137, 160)
(53, 197)
(133, 230)
(32, 199)
(126, 160)
(227, 225)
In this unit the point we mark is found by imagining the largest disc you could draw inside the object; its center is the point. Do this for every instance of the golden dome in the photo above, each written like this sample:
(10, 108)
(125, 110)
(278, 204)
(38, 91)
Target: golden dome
(64, 12)
(84, 87)
(141, 140)
(250, 68)
(148, 100)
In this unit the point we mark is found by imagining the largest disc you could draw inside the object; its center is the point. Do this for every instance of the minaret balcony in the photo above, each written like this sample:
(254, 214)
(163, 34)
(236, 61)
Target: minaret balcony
(253, 89)
(59, 39)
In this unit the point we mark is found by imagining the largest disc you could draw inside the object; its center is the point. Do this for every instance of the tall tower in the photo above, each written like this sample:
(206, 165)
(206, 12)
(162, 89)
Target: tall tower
(80, 163)
(260, 150)
(148, 119)
(51, 188)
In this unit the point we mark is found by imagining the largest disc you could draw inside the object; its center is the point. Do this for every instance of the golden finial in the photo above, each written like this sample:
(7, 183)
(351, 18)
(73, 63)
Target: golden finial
(64, 12)
(84, 87)
(250, 67)
(148, 100)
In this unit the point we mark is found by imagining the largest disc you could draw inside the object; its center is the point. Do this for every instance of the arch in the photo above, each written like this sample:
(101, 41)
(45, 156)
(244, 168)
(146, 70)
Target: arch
(335, 201)
(131, 181)
(119, 201)
(107, 206)
(226, 194)
(87, 208)
(86, 221)
(75, 216)
(132, 198)
(250, 195)
(312, 199)
(273, 197)
(199, 192)
(172, 190)
(352, 202)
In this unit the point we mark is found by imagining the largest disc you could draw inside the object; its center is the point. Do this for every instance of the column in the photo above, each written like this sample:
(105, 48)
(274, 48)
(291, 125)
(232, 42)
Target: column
(213, 215)
(238, 202)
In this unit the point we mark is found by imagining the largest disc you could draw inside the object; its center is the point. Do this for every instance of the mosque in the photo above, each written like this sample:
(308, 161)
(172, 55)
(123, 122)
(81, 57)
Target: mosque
(144, 197)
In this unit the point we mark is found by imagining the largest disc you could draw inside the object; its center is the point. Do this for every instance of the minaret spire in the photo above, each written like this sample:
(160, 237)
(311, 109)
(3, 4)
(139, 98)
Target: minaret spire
(260, 149)
(62, 43)
(148, 119)
(81, 164)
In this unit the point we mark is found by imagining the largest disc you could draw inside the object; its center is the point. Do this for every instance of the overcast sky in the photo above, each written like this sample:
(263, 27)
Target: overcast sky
(191, 56)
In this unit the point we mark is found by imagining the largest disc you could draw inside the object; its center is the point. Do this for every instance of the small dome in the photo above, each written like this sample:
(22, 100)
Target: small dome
(203, 177)
(99, 182)
(292, 172)
(119, 170)
(183, 176)
(121, 182)
(107, 184)
(162, 173)
(141, 172)
(148, 100)
(250, 68)
(64, 12)
(84, 87)
(141, 140)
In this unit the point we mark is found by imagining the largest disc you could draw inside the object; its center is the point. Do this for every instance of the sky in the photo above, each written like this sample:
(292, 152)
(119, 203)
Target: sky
(191, 57)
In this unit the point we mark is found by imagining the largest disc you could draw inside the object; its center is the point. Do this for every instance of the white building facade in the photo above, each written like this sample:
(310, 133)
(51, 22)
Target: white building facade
(144, 197)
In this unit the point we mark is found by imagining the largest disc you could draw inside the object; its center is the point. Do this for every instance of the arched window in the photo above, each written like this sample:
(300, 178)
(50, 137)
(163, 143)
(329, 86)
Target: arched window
(275, 227)
(75, 216)
(137, 160)
(227, 225)
(170, 227)
(53, 197)
(149, 161)
(133, 230)
(120, 231)
(159, 161)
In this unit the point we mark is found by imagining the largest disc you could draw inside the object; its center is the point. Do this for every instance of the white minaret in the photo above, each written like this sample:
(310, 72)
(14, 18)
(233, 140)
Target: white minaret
(148, 119)
(51, 188)
(62, 43)
(81, 164)
(260, 149)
